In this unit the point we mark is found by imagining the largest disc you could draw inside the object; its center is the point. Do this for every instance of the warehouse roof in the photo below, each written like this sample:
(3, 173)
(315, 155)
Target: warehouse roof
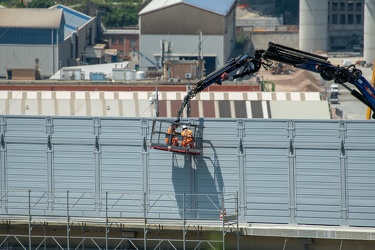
(278, 105)
(30, 18)
(73, 19)
(221, 7)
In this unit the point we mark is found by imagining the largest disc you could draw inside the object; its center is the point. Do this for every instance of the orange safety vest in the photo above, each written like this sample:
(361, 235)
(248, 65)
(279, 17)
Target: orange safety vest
(187, 135)
(174, 139)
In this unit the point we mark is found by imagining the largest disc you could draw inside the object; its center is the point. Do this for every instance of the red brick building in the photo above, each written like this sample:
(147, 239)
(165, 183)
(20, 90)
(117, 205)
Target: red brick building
(125, 41)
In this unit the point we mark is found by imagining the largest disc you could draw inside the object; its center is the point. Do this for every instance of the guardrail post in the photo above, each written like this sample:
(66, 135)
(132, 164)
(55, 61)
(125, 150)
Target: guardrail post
(241, 169)
(292, 173)
(97, 164)
(29, 219)
(49, 152)
(67, 222)
(3, 193)
(106, 220)
(343, 175)
(184, 222)
(144, 221)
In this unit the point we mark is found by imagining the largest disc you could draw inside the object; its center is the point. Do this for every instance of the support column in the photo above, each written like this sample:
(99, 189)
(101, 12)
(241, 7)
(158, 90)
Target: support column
(97, 164)
(50, 174)
(3, 175)
(343, 175)
(145, 177)
(292, 173)
(241, 171)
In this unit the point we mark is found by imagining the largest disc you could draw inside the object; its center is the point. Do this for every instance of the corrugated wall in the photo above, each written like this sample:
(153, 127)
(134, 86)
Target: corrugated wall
(24, 56)
(183, 46)
(283, 171)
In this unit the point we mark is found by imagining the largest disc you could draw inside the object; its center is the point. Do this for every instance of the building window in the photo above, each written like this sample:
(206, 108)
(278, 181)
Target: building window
(342, 6)
(334, 19)
(342, 19)
(350, 19)
(335, 6)
(133, 44)
(358, 19)
(121, 40)
(351, 6)
(358, 7)
(114, 40)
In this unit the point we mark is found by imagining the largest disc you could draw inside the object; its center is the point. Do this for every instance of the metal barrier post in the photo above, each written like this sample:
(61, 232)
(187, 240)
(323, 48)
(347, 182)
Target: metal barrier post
(67, 221)
(29, 219)
(106, 220)
(184, 222)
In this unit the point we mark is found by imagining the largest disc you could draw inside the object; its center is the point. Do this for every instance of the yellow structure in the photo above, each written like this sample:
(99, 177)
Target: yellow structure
(368, 113)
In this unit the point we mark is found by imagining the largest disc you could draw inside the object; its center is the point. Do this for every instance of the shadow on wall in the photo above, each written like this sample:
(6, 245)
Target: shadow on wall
(190, 179)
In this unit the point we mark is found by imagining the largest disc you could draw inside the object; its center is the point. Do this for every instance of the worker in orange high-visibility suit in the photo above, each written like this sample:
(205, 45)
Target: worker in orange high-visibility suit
(170, 134)
(187, 137)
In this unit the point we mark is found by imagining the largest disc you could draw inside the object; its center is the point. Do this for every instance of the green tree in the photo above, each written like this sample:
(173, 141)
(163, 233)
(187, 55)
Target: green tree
(121, 15)
(40, 4)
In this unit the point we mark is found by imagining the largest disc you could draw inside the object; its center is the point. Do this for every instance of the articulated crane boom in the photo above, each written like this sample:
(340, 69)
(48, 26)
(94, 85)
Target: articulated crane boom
(250, 65)
(320, 64)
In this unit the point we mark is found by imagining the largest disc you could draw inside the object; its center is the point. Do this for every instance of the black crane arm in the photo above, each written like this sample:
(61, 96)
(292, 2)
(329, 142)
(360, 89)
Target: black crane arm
(250, 65)
(321, 65)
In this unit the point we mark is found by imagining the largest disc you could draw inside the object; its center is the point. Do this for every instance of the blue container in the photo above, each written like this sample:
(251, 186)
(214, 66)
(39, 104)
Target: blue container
(97, 76)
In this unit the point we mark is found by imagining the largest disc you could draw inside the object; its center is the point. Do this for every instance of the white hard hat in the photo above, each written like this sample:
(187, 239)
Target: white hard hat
(184, 126)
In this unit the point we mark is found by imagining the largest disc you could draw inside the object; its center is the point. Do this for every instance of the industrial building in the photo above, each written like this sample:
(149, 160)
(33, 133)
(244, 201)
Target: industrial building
(187, 29)
(337, 25)
(230, 102)
(77, 170)
(46, 39)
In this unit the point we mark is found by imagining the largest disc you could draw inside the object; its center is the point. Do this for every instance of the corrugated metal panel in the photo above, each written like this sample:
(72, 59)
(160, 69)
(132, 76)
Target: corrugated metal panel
(121, 169)
(11, 53)
(26, 166)
(139, 106)
(119, 131)
(185, 20)
(119, 155)
(300, 109)
(240, 109)
(256, 109)
(220, 7)
(220, 134)
(224, 109)
(31, 130)
(318, 186)
(175, 106)
(76, 131)
(317, 134)
(121, 177)
(278, 155)
(360, 135)
(163, 108)
(183, 45)
(267, 185)
(208, 108)
(169, 178)
(361, 186)
(30, 18)
(262, 133)
(216, 166)
(194, 109)
(73, 168)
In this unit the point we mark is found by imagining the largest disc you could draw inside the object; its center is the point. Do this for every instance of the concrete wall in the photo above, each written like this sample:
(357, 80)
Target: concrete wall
(260, 40)
(313, 25)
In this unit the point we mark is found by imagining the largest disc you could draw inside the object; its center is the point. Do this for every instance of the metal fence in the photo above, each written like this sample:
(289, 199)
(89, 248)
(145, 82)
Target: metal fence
(135, 210)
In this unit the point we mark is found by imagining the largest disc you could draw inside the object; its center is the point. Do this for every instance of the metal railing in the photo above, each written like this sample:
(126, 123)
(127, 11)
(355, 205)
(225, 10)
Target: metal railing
(138, 212)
